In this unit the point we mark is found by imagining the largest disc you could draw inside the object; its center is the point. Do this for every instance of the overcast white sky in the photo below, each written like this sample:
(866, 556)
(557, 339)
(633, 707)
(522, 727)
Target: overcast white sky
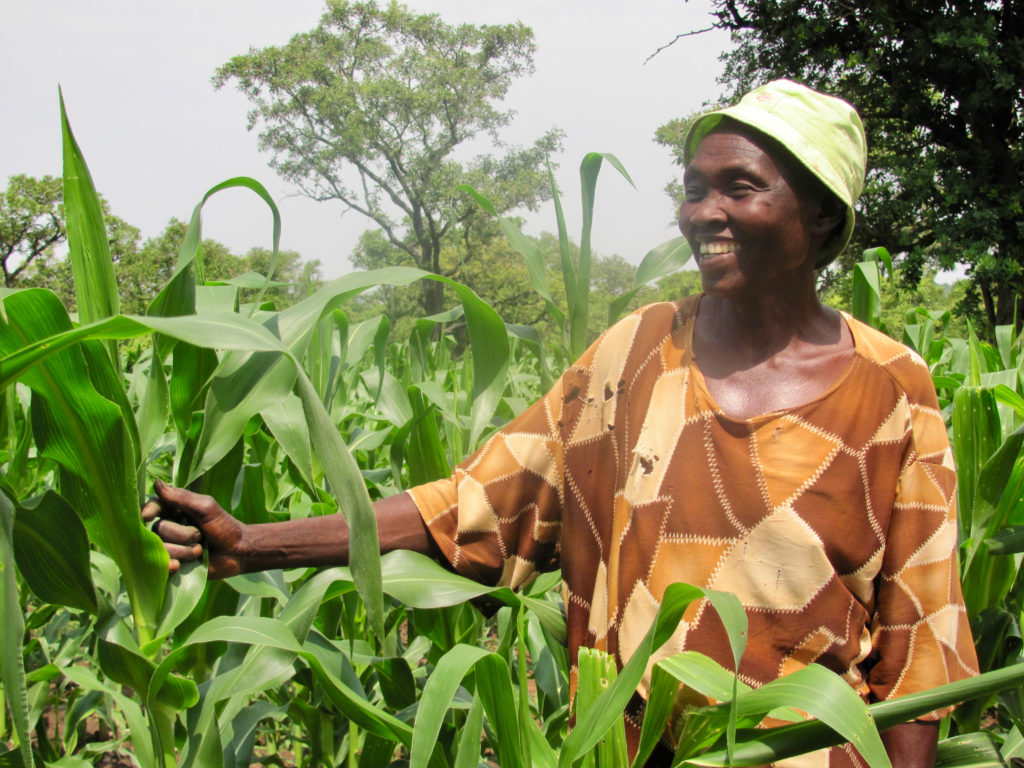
(156, 135)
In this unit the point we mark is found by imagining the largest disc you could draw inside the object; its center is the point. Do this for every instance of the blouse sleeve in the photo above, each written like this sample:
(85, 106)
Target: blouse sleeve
(497, 517)
(920, 632)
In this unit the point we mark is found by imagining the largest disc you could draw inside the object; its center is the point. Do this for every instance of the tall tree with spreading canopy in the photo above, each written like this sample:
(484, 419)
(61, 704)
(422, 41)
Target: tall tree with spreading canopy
(939, 87)
(31, 225)
(369, 107)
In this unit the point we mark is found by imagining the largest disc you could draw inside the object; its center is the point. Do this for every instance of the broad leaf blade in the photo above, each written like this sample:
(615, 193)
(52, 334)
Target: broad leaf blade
(95, 286)
(52, 549)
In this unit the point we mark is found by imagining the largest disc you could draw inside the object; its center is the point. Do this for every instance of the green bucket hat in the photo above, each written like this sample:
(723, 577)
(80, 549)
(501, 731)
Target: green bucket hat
(823, 133)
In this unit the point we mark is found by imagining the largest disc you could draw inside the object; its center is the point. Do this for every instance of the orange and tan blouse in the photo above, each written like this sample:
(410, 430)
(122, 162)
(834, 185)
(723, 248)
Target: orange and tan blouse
(833, 522)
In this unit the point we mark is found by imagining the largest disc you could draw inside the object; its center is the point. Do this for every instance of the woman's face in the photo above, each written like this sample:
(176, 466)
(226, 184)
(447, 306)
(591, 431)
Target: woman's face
(751, 233)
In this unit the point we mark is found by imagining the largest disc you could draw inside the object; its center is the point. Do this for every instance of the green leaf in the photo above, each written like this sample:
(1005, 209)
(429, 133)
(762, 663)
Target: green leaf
(482, 201)
(184, 592)
(996, 504)
(12, 626)
(769, 745)
(86, 435)
(489, 341)
(397, 686)
(437, 696)
(609, 706)
(867, 293)
(348, 489)
(250, 280)
(660, 261)
(826, 696)
(52, 549)
(91, 265)
(1008, 541)
(247, 381)
(142, 745)
(493, 686)
(125, 666)
(274, 635)
(287, 423)
(970, 750)
(976, 435)
(703, 674)
(154, 407)
(876, 255)
(224, 330)
(536, 269)
(469, 740)
(425, 452)
(421, 582)
(1008, 397)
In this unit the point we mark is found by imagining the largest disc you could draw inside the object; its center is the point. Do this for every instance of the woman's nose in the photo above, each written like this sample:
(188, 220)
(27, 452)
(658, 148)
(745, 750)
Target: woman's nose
(706, 210)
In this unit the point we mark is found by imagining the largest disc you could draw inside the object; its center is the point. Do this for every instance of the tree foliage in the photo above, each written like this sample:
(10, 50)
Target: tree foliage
(938, 85)
(142, 272)
(142, 268)
(32, 231)
(31, 224)
(369, 108)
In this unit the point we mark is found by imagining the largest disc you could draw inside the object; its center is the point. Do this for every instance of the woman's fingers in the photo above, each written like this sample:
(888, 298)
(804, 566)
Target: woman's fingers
(197, 507)
(180, 540)
(188, 522)
(151, 509)
(181, 552)
(175, 533)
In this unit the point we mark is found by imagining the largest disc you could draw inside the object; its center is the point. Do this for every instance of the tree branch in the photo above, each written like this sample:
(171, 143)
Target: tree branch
(677, 38)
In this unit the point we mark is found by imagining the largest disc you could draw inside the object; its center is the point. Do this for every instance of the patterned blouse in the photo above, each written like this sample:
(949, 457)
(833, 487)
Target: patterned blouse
(834, 522)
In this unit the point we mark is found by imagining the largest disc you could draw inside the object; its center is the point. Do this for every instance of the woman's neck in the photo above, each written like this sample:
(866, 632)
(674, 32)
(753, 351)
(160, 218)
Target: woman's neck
(764, 357)
(766, 325)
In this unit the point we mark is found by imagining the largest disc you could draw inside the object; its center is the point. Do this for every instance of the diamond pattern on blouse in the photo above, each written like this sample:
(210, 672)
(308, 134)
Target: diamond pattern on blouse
(833, 522)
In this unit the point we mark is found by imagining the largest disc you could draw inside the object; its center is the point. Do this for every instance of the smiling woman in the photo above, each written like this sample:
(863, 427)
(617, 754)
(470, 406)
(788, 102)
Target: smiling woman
(748, 440)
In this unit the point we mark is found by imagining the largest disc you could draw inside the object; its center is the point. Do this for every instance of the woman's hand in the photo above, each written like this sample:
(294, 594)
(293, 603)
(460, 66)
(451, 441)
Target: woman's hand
(187, 521)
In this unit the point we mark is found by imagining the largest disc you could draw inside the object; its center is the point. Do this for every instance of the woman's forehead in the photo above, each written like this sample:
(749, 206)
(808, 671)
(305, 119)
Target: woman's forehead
(733, 144)
(731, 150)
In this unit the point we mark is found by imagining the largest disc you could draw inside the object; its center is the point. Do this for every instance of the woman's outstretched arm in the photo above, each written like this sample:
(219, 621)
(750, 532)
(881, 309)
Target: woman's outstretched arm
(187, 522)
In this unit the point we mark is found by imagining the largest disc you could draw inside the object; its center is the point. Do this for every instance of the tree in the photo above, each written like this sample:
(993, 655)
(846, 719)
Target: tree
(31, 225)
(498, 275)
(369, 108)
(32, 229)
(300, 278)
(142, 269)
(938, 85)
(142, 273)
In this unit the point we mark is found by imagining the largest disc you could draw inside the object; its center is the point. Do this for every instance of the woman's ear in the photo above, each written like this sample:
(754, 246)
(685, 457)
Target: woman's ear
(830, 217)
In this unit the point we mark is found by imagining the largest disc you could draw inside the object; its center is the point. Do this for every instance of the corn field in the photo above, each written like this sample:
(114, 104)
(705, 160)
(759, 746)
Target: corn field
(285, 414)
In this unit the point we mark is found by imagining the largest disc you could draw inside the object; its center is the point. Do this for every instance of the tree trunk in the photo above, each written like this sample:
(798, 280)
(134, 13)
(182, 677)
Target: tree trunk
(1008, 303)
(433, 296)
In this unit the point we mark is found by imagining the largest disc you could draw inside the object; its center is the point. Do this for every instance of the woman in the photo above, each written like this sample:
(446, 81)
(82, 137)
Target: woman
(749, 440)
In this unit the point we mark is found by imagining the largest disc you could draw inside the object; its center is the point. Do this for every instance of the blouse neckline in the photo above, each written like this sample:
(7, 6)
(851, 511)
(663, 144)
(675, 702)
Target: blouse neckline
(698, 381)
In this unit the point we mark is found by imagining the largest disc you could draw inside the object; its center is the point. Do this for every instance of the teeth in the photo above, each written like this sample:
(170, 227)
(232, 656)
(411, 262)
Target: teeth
(717, 247)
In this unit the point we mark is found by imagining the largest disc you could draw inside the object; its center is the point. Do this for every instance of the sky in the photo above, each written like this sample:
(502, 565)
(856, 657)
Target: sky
(156, 134)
